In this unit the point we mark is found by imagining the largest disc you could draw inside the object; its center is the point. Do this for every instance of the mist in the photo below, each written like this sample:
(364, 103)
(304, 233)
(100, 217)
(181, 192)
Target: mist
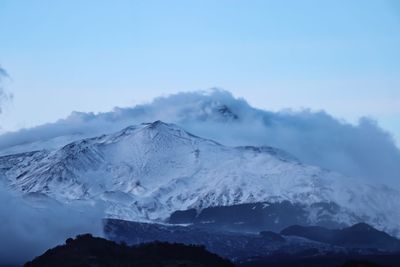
(362, 150)
(34, 223)
(4, 96)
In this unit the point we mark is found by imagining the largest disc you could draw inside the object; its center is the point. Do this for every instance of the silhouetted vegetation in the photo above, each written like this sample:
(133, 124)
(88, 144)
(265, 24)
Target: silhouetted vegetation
(86, 250)
(353, 263)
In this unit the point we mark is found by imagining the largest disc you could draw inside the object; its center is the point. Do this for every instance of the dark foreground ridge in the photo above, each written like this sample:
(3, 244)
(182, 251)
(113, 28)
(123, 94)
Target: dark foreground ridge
(358, 245)
(86, 250)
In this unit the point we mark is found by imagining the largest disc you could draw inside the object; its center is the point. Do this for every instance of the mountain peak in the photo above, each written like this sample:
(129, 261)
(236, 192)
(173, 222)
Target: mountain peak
(156, 124)
(167, 129)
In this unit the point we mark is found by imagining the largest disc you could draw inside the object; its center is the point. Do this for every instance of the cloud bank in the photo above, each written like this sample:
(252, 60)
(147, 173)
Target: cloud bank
(35, 223)
(363, 150)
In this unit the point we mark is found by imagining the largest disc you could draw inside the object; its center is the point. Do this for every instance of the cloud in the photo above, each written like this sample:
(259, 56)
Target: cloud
(363, 150)
(35, 223)
(4, 96)
(3, 72)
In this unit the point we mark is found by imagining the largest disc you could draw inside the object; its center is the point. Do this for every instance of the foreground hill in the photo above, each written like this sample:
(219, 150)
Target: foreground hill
(87, 250)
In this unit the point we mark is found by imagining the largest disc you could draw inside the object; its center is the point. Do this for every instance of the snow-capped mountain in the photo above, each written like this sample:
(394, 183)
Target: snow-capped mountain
(147, 172)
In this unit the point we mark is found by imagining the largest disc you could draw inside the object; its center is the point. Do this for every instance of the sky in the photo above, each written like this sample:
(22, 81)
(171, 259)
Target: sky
(62, 56)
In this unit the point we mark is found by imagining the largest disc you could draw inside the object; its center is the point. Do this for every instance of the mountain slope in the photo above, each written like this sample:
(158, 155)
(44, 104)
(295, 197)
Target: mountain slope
(149, 171)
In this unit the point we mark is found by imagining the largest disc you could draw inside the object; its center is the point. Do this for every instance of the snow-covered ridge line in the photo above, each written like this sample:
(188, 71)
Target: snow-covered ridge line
(146, 172)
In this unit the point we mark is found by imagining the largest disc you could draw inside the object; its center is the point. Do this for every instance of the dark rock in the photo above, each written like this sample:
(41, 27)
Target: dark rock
(360, 235)
(256, 217)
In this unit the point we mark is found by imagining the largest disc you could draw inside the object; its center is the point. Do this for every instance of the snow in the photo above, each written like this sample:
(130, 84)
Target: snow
(148, 171)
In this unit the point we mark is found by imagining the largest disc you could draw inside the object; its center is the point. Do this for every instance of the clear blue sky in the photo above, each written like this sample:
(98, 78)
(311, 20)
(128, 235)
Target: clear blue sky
(342, 56)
